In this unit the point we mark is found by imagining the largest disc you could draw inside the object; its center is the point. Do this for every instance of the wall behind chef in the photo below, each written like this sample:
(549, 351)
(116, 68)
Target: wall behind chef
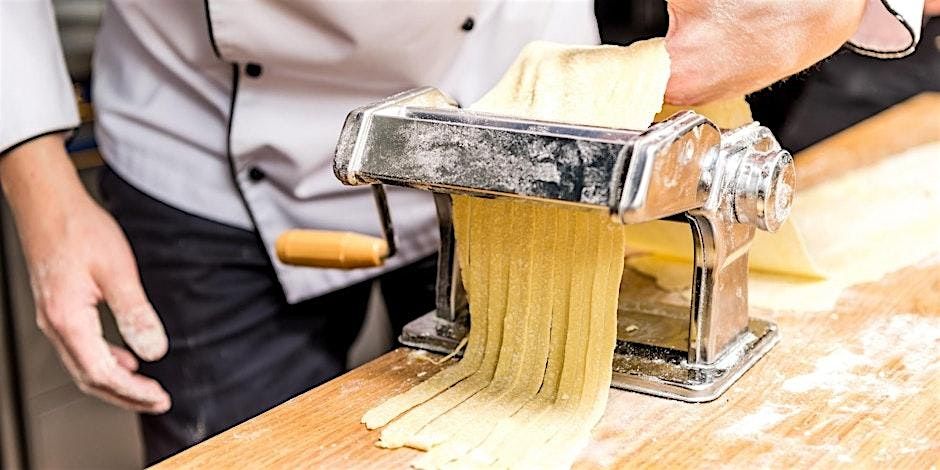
(217, 120)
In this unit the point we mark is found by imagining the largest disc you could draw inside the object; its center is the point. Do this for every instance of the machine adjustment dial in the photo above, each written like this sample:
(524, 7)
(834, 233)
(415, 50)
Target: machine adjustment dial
(762, 193)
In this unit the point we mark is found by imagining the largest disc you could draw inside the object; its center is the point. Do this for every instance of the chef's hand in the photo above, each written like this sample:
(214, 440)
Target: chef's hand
(77, 256)
(932, 8)
(724, 48)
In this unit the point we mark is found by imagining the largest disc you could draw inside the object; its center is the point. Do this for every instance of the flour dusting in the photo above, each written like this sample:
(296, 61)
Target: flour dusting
(863, 365)
(766, 417)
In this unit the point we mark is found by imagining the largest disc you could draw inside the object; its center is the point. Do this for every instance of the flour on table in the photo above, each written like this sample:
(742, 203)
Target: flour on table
(854, 366)
(766, 417)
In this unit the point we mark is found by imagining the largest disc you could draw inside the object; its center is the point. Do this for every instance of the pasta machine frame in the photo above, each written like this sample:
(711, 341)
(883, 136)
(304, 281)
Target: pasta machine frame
(724, 185)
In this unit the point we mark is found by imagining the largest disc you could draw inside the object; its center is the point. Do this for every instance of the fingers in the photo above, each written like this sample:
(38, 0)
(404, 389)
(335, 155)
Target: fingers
(115, 396)
(106, 372)
(101, 369)
(721, 49)
(124, 358)
(68, 317)
(134, 391)
(705, 63)
(695, 76)
(136, 319)
(142, 330)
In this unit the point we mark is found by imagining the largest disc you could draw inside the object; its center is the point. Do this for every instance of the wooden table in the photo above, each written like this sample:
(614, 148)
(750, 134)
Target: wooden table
(855, 387)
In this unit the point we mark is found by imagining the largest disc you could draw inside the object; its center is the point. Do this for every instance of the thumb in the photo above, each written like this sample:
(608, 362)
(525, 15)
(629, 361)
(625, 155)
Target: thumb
(136, 319)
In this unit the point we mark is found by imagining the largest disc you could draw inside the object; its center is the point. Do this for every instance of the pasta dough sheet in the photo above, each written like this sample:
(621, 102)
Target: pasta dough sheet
(858, 228)
(543, 285)
(783, 252)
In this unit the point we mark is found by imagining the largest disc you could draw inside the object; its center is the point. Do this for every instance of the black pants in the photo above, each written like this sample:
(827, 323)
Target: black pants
(237, 348)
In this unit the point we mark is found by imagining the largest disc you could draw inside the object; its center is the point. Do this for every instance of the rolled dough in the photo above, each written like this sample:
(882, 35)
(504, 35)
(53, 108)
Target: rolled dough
(853, 229)
(488, 251)
(545, 277)
(384, 413)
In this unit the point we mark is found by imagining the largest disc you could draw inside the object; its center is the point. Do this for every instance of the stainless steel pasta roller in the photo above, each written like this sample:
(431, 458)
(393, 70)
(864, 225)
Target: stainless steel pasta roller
(723, 185)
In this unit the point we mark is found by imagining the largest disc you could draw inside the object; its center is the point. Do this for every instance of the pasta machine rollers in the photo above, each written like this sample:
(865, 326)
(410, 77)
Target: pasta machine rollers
(723, 184)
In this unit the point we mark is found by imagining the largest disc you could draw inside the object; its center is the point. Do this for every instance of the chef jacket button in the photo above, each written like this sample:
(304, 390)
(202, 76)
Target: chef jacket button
(467, 24)
(253, 70)
(255, 174)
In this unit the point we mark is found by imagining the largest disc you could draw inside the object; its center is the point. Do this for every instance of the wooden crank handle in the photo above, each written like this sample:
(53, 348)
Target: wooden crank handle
(327, 249)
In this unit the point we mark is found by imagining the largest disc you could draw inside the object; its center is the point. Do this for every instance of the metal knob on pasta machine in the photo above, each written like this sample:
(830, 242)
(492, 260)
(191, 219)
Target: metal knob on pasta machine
(724, 185)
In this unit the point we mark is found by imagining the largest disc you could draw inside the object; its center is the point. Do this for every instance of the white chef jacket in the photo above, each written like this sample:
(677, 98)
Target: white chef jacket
(230, 110)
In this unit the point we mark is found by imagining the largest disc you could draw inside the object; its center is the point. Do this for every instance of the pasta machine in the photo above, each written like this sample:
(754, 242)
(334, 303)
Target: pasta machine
(723, 184)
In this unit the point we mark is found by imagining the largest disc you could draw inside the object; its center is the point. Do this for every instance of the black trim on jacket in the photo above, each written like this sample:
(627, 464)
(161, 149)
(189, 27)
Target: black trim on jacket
(215, 47)
(70, 130)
